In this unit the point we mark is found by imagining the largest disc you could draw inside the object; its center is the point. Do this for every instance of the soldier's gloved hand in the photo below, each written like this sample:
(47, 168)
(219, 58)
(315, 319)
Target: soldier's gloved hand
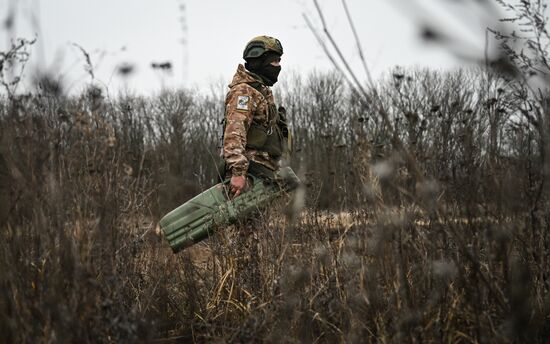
(237, 185)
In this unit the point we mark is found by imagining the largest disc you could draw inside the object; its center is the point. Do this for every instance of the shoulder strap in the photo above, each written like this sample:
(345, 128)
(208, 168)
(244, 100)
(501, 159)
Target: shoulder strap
(258, 86)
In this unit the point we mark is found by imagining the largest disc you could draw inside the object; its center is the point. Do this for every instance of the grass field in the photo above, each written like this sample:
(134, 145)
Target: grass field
(443, 238)
(423, 217)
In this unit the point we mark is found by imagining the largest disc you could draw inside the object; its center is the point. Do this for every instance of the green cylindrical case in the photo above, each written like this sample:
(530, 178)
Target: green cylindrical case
(197, 218)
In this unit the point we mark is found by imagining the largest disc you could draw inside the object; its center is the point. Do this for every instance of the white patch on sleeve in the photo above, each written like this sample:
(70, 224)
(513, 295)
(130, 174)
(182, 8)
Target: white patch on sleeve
(242, 102)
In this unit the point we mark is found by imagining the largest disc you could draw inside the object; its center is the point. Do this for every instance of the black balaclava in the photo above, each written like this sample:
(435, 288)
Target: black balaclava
(263, 68)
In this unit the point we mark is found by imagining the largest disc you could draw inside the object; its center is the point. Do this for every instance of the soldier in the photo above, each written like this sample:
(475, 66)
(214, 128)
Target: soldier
(256, 134)
(255, 139)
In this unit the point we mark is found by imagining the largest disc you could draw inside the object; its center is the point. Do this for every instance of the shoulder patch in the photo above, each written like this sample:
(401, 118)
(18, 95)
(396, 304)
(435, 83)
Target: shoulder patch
(242, 102)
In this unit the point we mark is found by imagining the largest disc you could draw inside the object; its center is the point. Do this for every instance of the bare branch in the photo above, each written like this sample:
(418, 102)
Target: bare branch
(358, 44)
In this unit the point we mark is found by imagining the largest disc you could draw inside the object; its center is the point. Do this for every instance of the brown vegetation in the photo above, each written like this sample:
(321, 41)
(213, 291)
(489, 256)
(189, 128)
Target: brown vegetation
(425, 216)
(460, 256)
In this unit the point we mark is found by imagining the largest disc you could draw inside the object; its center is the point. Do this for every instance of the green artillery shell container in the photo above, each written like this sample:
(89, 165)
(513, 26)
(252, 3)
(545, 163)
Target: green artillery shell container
(196, 219)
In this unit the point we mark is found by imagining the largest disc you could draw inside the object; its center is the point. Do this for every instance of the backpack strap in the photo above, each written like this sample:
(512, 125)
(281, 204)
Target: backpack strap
(256, 85)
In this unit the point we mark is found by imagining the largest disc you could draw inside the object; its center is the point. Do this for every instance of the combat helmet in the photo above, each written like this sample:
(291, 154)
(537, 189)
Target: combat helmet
(260, 45)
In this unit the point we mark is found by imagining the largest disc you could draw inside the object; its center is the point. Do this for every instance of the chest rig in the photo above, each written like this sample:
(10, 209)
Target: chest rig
(273, 136)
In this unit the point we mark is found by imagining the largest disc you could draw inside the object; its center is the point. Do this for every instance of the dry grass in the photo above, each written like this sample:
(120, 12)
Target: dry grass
(374, 256)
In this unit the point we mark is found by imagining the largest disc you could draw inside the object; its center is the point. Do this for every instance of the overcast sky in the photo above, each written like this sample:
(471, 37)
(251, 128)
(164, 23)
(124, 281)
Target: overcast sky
(204, 39)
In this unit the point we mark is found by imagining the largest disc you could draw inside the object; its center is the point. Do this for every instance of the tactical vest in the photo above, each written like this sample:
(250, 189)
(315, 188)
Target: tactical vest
(274, 137)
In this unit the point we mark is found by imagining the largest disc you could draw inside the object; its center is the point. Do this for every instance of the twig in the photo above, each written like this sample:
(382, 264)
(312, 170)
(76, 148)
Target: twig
(326, 51)
(338, 51)
(358, 44)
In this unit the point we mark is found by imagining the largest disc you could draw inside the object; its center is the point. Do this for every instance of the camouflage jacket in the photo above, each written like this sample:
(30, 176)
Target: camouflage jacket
(246, 105)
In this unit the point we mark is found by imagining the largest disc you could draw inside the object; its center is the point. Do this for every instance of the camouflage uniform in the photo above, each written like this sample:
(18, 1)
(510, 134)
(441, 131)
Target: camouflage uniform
(255, 137)
(246, 105)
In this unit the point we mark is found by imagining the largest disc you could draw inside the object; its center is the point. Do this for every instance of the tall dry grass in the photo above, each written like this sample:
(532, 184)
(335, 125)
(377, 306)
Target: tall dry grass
(375, 255)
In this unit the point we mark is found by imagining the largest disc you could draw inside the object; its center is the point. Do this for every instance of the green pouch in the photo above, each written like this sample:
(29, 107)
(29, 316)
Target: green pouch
(274, 139)
(274, 143)
(256, 136)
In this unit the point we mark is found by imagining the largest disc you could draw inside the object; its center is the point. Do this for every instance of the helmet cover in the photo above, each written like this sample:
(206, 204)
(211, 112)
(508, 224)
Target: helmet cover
(260, 45)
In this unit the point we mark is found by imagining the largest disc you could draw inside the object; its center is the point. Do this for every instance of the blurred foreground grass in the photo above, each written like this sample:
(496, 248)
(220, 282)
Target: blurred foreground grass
(375, 256)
